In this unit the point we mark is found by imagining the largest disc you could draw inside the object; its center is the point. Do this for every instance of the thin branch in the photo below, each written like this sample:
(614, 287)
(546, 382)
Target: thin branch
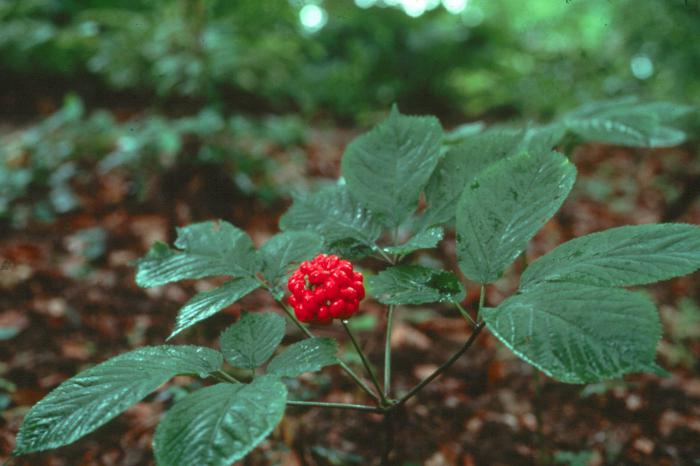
(323, 404)
(387, 351)
(299, 325)
(384, 255)
(464, 312)
(224, 377)
(443, 367)
(482, 297)
(365, 362)
(342, 364)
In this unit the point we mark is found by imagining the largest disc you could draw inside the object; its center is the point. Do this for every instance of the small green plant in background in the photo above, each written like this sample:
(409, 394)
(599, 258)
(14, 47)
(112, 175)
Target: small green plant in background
(41, 166)
(572, 316)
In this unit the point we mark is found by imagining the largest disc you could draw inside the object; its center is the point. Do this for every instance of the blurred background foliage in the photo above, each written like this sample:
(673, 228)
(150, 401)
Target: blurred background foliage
(232, 82)
(348, 58)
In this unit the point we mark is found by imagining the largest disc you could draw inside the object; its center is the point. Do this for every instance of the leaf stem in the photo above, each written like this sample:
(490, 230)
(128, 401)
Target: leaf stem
(464, 312)
(384, 255)
(342, 364)
(224, 377)
(482, 297)
(365, 362)
(387, 351)
(323, 404)
(443, 367)
(299, 325)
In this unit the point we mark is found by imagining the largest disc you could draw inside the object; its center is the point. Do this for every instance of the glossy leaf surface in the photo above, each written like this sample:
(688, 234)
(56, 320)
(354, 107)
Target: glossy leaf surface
(307, 355)
(208, 303)
(93, 397)
(425, 239)
(387, 168)
(503, 207)
(460, 165)
(250, 342)
(286, 250)
(335, 215)
(623, 256)
(206, 249)
(220, 424)
(413, 284)
(579, 333)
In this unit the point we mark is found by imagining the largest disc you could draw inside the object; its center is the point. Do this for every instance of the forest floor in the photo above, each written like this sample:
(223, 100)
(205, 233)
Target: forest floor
(68, 300)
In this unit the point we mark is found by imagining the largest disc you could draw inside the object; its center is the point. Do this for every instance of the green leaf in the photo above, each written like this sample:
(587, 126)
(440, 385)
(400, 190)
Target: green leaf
(387, 168)
(286, 250)
(251, 341)
(460, 165)
(336, 216)
(504, 206)
(307, 355)
(220, 424)
(208, 303)
(578, 333)
(543, 138)
(92, 398)
(413, 284)
(623, 256)
(350, 249)
(425, 239)
(207, 249)
(463, 132)
(628, 122)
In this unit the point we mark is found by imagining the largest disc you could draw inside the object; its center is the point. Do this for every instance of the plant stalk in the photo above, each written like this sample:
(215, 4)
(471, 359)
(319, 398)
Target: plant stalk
(479, 327)
(224, 377)
(464, 313)
(482, 297)
(323, 404)
(365, 362)
(342, 364)
(387, 351)
(385, 256)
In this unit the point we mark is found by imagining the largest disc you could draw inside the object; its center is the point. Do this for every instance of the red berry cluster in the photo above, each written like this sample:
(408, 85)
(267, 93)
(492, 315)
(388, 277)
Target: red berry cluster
(324, 289)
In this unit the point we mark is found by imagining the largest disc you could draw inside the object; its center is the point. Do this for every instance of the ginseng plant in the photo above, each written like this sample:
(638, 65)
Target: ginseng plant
(403, 183)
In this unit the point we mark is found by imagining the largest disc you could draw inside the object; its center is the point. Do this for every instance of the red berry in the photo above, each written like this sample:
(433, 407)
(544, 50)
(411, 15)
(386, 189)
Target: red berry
(324, 289)
(337, 309)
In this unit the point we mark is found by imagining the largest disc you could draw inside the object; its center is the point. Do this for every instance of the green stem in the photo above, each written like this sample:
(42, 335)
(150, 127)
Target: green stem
(365, 362)
(300, 326)
(224, 377)
(342, 364)
(395, 257)
(443, 367)
(387, 352)
(384, 255)
(482, 297)
(323, 404)
(470, 341)
(464, 312)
